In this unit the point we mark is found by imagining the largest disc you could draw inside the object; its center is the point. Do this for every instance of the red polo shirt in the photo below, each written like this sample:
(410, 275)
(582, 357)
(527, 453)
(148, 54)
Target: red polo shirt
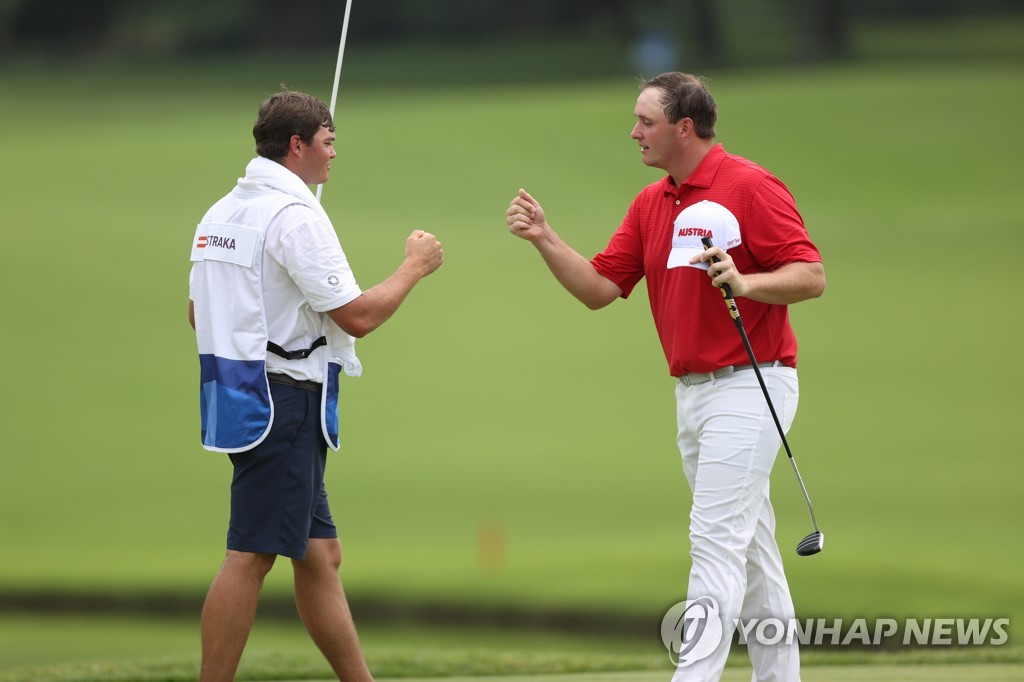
(696, 331)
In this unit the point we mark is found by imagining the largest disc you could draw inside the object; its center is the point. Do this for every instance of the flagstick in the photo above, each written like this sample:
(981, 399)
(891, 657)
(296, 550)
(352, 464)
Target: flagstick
(337, 75)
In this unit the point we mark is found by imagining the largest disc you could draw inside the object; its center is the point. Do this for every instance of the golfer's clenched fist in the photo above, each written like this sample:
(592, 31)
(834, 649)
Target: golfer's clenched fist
(423, 251)
(525, 217)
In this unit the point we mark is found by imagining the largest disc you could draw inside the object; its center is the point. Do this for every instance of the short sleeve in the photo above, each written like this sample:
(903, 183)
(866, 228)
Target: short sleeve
(779, 237)
(312, 255)
(622, 261)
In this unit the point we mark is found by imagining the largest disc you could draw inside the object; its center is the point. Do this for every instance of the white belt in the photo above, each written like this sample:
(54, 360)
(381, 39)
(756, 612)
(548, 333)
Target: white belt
(694, 378)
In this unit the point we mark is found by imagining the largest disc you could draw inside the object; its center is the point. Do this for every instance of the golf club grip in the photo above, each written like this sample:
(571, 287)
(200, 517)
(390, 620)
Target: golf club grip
(730, 302)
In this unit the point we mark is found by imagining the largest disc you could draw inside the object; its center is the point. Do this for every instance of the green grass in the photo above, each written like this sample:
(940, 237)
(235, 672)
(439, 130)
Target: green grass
(116, 648)
(989, 673)
(492, 400)
(112, 649)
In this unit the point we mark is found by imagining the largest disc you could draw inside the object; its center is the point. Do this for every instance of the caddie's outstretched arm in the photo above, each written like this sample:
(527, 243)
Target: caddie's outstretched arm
(423, 255)
(525, 219)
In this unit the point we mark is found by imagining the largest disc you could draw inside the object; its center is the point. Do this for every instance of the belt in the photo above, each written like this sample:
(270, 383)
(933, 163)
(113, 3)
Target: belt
(694, 378)
(300, 383)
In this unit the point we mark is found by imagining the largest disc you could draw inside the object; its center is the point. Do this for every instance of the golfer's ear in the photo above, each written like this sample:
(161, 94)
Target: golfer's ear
(295, 143)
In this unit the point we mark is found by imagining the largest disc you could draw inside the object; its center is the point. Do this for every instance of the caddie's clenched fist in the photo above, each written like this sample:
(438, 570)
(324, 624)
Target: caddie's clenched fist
(423, 251)
(525, 217)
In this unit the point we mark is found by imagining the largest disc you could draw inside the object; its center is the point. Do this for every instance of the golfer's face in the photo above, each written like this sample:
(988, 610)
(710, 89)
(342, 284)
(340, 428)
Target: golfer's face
(316, 165)
(658, 139)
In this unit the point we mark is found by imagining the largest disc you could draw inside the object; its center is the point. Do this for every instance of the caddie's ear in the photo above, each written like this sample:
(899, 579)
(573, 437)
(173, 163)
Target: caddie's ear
(295, 143)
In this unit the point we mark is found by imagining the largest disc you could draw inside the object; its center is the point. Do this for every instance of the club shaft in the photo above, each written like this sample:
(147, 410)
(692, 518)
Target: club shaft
(771, 407)
(337, 73)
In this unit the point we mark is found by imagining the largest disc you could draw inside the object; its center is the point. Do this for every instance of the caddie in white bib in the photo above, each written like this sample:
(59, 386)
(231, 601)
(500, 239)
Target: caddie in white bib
(236, 407)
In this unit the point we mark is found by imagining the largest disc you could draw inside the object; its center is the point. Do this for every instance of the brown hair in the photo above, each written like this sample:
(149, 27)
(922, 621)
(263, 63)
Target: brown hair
(285, 114)
(686, 96)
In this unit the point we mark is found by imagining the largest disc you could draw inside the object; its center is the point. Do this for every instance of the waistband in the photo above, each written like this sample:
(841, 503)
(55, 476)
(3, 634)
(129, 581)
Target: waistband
(277, 378)
(695, 378)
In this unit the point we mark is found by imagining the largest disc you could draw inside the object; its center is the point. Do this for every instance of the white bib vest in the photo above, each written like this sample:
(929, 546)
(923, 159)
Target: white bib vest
(231, 320)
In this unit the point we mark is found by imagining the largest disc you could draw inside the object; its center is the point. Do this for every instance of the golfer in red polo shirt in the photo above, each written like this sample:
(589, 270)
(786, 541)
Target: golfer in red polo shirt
(726, 434)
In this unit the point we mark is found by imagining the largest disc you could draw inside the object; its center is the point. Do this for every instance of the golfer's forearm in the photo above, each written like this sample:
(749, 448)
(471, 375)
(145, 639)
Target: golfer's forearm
(576, 274)
(377, 304)
(791, 283)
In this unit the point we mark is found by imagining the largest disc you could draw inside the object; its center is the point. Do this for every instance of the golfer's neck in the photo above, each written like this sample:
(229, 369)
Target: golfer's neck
(687, 163)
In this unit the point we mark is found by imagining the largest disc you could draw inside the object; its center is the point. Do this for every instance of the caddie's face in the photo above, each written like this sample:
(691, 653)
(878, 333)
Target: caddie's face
(316, 157)
(660, 141)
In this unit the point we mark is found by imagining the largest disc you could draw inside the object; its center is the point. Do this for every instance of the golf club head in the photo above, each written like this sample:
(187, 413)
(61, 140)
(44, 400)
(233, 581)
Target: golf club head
(812, 544)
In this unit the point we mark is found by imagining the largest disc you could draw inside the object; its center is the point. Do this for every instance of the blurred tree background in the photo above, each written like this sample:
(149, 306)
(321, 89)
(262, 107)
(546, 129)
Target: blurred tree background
(699, 33)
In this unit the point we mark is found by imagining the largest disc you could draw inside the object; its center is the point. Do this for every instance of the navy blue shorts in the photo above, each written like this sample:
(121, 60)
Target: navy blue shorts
(278, 499)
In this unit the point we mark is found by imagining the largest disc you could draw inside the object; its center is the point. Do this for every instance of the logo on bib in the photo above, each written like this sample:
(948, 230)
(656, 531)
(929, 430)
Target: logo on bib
(226, 243)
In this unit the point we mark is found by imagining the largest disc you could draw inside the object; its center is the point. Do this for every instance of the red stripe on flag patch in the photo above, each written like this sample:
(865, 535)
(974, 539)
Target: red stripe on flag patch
(201, 244)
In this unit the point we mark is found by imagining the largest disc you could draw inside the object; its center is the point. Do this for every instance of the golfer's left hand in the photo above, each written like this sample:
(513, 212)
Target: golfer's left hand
(724, 271)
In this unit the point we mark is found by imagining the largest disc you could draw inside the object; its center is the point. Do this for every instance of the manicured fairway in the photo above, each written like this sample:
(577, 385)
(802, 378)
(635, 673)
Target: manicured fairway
(106, 649)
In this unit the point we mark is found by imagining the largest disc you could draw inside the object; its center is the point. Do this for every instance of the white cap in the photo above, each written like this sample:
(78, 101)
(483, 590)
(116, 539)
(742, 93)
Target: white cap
(703, 219)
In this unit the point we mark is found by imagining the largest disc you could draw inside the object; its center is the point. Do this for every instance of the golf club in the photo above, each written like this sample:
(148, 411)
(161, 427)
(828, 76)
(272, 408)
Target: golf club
(337, 74)
(813, 543)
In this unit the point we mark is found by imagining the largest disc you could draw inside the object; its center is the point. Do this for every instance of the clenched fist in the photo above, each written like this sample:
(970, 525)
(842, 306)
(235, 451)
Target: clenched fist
(423, 251)
(525, 217)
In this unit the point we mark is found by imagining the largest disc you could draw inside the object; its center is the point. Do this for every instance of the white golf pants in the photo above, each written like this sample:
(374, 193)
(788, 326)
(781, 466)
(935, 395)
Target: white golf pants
(729, 443)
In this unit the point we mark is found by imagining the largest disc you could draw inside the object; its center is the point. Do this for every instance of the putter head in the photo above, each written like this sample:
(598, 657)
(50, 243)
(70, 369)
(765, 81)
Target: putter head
(812, 544)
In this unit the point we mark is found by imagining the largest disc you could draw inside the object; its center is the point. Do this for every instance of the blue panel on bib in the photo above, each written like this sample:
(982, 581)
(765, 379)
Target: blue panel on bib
(234, 402)
(331, 404)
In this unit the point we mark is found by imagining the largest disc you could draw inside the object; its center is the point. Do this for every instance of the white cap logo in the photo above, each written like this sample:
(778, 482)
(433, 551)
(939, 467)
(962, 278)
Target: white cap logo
(703, 219)
(691, 630)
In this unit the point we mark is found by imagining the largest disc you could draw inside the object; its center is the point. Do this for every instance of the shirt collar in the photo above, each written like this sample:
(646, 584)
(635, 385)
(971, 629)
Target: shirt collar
(702, 176)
